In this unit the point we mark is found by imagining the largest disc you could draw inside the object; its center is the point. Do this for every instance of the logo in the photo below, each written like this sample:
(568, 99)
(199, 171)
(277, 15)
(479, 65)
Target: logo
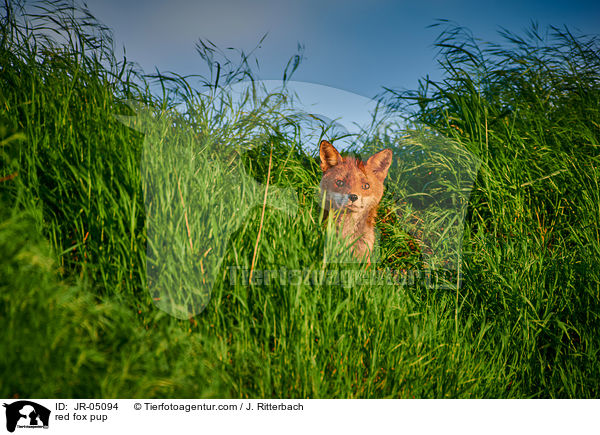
(26, 414)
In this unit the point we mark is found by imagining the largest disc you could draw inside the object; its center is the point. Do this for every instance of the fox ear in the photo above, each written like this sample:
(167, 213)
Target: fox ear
(380, 163)
(329, 155)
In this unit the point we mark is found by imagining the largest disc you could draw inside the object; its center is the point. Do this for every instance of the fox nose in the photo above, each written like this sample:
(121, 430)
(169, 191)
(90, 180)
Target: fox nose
(353, 197)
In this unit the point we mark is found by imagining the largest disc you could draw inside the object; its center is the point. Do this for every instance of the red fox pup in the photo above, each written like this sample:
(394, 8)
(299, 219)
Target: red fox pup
(353, 189)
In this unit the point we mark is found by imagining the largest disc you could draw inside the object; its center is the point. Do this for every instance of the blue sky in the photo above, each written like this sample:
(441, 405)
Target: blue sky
(357, 46)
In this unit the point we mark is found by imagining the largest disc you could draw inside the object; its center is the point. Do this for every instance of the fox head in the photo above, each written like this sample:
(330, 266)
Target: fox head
(350, 184)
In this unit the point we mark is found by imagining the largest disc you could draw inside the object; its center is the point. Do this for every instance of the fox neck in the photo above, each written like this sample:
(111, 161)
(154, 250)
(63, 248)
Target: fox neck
(358, 225)
(356, 222)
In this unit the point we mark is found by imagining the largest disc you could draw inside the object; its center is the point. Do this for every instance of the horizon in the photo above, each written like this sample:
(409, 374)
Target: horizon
(349, 65)
(350, 46)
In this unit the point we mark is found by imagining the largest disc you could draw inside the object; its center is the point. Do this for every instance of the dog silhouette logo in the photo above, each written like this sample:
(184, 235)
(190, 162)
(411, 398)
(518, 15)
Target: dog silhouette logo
(26, 414)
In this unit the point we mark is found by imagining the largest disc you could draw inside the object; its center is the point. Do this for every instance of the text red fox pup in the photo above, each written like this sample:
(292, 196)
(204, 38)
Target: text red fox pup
(353, 190)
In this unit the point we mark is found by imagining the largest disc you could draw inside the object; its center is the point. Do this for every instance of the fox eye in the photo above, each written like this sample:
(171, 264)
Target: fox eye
(339, 183)
(365, 186)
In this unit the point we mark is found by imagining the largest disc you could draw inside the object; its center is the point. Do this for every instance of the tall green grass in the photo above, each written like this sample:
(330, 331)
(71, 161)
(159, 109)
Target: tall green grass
(530, 110)
(78, 319)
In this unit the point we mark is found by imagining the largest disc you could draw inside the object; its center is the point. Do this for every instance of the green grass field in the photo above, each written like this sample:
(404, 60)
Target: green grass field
(78, 224)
